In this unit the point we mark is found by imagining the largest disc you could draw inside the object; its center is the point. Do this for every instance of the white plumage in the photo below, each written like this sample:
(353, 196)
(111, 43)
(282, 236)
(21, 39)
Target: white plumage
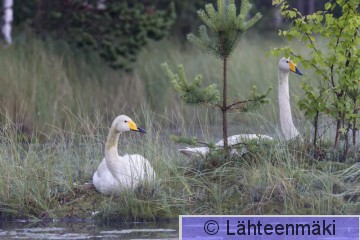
(116, 173)
(232, 141)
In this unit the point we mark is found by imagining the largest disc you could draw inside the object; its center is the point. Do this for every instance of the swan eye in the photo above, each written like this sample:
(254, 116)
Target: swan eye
(287, 61)
(125, 121)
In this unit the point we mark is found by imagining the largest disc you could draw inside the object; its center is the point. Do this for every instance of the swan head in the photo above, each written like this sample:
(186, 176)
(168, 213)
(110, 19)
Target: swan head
(286, 65)
(123, 123)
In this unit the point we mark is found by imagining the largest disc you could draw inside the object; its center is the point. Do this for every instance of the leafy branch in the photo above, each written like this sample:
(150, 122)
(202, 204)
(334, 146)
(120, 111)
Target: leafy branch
(336, 95)
(191, 91)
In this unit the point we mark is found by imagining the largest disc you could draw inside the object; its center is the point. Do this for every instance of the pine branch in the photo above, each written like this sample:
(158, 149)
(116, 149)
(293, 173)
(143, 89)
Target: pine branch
(181, 139)
(224, 25)
(251, 102)
(191, 92)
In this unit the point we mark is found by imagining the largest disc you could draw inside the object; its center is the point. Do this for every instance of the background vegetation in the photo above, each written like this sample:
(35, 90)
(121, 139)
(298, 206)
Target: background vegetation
(336, 94)
(57, 102)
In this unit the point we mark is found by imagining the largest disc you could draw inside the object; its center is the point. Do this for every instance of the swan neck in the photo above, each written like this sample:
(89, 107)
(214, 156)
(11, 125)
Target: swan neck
(286, 122)
(111, 146)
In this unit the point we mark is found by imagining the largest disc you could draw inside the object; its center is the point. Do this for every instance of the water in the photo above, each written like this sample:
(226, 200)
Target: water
(88, 230)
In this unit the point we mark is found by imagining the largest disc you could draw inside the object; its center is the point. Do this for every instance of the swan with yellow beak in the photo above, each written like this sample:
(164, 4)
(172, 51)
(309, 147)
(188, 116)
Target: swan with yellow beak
(286, 122)
(117, 173)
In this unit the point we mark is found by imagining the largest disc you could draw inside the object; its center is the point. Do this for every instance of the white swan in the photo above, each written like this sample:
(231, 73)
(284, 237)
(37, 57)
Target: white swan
(286, 121)
(116, 173)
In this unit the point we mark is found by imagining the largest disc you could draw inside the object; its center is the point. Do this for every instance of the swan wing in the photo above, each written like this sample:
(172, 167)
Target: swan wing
(141, 166)
(132, 170)
(104, 180)
(236, 139)
(127, 172)
(194, 152)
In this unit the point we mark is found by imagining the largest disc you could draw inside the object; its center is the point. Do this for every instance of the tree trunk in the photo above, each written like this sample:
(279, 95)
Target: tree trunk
(354, 130)
(7, 20)
(337, 136)
(101, 5)
(301, 6)
(354, 127)
(310, 7)
(224, 106)
(346, 146)
(277, 18)
(316, 126)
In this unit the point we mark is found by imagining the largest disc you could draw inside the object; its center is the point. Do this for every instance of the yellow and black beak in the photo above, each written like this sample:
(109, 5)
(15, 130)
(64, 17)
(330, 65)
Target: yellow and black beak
(294, 68)
(134, 127)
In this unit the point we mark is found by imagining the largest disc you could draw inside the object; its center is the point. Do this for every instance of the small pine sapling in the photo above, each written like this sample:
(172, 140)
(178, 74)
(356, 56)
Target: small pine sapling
(219, 36)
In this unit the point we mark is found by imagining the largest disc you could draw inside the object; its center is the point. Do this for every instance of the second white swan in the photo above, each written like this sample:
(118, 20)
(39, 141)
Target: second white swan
(286, 122)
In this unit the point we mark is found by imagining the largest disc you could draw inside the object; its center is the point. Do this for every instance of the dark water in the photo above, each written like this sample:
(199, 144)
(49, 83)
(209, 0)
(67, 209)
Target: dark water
(88, 230)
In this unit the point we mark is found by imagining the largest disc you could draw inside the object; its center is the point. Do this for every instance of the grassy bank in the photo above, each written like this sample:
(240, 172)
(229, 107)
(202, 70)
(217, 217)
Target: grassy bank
(49, 180)
(56, 108)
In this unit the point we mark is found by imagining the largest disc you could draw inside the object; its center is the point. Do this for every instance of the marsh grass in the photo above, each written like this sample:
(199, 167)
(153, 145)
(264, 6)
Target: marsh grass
(45, 81)
(48, 180)
(56, 108)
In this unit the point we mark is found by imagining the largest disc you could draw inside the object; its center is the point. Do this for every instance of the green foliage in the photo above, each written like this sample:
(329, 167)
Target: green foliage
(253, 101)
(117, 33)
(336, 64)
(225, 25)
(225, 28)
(191, 92)
(182, 139)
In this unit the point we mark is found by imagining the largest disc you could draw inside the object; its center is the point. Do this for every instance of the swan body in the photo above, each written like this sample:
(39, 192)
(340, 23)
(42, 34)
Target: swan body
(117, 173)
(241, 138)
(195, 151)
(286, 122)
(232, 141)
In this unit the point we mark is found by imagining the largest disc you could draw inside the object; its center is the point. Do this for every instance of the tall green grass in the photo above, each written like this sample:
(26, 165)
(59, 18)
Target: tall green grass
(48, 180)
(43, 82)
(56, 107)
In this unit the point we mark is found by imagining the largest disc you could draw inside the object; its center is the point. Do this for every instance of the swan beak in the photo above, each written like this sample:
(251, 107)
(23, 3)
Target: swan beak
(294, 68)
(297, 71)
(134, 127)
(141, 130)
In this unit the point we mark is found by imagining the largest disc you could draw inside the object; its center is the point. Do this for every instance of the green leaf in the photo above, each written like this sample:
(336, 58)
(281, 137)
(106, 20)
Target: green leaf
(327, 6)
(292, 14)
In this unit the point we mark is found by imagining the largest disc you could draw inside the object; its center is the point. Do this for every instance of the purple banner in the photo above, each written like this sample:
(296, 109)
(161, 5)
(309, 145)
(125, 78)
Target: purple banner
(269, 227)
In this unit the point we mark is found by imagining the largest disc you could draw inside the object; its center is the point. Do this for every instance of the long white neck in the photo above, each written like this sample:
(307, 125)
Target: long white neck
(111, 149)
(286, 121)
